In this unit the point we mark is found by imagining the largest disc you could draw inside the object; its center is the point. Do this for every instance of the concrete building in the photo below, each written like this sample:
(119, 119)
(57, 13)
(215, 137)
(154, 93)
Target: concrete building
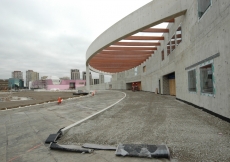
(75, 74)
(17, 74)
(95, 81)
(84, 75)
(65, 78)
(55, 83)
(44, 77)
(31, 76)
(189, 58)
(90, 77)
(101, 78)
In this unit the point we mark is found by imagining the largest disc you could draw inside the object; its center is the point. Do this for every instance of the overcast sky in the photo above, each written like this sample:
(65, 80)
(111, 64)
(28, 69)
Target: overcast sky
(52, 36)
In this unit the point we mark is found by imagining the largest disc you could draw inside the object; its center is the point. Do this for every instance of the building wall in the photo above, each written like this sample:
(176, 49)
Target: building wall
(201, 39)
(31, 76)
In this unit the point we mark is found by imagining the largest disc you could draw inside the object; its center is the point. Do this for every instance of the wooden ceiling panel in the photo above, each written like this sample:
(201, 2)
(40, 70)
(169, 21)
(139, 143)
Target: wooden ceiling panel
(144, 38)
(137, 44)
(126, 52)
(131, 48)
(156, 30)
(124, 55)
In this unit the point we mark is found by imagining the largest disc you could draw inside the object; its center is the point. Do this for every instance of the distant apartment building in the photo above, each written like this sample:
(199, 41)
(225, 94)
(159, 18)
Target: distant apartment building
(95, 81)
(84, 75)
(75, 74)
(65, 78)
(31, 76)
(44, 77)
(3, 84)
(90, 77)
(55, 83)
(17, 74)
(101, 78)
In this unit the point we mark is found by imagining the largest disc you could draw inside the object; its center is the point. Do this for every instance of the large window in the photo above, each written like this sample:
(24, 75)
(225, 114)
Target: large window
(203, 5)
(206, 79)
(192, 80)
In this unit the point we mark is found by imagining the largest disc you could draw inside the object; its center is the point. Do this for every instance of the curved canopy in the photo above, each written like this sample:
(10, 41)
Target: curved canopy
(124, 47)
(124, 55)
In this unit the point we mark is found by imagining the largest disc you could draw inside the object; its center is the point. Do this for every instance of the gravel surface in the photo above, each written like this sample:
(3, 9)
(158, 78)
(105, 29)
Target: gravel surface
(147, 118)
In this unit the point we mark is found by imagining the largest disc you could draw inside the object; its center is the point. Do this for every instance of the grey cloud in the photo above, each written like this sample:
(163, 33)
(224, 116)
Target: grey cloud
(30, 40)
(50, 37)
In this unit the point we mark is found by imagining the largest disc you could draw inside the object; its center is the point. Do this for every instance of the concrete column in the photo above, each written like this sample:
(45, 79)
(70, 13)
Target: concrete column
(170, 43)
(175, 40)
(87, 78)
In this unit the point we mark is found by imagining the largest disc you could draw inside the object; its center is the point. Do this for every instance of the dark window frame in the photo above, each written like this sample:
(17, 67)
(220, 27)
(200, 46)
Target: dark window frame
(162, 55)
(202, 9)
(192, 81)
(206, 79)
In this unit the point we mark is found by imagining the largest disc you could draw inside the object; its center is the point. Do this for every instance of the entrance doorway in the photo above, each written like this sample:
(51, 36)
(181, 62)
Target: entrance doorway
(135, 85)
(172, 87)
(169, 84)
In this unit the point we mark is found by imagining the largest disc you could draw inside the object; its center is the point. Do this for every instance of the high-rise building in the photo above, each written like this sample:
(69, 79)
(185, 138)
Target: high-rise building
(101, 78)
(31, 76)
(17, 74)
(90, 77)
(84, 75)
(75, 74)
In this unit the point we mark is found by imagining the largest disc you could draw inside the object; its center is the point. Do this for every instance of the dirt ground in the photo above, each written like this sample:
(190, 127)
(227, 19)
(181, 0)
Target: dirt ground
(147, 118)
(37, 97)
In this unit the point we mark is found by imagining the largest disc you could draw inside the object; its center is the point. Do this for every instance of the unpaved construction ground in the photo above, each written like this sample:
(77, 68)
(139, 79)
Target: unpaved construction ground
(36, 98)
(147, 118)
(23, 131)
